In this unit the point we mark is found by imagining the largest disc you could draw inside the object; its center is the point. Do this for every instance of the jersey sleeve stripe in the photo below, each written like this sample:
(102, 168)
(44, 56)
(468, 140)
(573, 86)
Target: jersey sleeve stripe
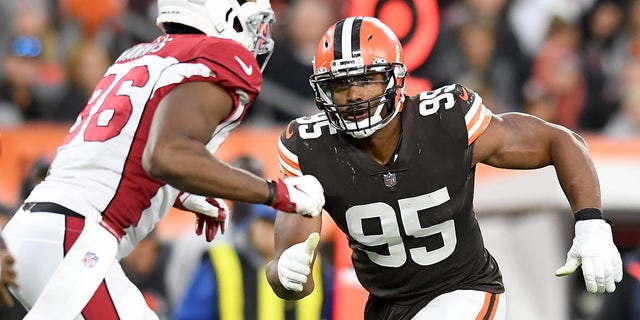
(474, 112)
(288, 173)
(287, 168)
(489, 307)
(288, 160)
(480, 125)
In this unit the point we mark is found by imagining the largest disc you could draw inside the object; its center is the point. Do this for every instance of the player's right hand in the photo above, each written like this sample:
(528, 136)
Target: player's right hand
(303, 195)
(294, 264)
(211, 213)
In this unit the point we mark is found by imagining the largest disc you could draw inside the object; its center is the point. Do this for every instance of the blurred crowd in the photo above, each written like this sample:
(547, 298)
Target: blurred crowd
(571, 62)
(575, 63)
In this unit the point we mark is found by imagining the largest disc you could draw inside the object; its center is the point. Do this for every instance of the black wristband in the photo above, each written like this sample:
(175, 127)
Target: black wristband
(590, 214)
(272, 192)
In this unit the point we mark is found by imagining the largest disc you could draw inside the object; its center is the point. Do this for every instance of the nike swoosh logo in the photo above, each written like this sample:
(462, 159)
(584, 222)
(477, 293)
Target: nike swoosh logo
(295, 186)
(464, 95)
(247, 69)
(288, 134)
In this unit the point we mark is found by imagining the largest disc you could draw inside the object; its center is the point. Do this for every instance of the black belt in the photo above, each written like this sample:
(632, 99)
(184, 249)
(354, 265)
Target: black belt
(50, 207)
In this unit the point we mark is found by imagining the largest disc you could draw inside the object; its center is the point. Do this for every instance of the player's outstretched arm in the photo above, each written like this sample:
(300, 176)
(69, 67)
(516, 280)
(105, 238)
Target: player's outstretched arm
(296, 239)
(176, 153)
(520, 141)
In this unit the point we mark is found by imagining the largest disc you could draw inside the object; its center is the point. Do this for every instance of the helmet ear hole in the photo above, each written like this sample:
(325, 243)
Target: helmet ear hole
(237, 26)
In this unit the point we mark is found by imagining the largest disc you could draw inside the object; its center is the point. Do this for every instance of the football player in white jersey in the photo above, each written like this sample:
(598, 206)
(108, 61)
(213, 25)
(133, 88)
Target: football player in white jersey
(398, 176)
(144, 143)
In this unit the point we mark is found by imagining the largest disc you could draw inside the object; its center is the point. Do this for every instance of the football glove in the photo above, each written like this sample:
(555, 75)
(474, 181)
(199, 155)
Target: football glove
(294, 263)
(211, 213)
(593, 248)
(303, 195)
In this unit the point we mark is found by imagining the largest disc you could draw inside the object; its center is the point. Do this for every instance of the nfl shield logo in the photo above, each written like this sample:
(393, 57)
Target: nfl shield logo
(90, 259)
(389, 179)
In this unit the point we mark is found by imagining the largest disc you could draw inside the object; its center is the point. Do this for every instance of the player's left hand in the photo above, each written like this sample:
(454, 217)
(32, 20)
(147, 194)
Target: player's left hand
(593, 248)
(294, 264)
(211, 213)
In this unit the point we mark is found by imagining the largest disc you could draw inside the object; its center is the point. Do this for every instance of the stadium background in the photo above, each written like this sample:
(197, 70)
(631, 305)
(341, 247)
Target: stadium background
(525, 219)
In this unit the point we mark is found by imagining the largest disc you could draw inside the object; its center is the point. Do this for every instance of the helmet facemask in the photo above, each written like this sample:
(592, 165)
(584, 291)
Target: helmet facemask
(362, 118)
(254, 31)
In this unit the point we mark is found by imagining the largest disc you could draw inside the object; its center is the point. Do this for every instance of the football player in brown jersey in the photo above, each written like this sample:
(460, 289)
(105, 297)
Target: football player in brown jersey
(145, 142)
(398, 175)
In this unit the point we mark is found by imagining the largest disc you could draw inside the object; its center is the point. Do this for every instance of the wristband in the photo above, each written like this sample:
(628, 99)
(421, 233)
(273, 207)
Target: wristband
(272, 192)
(590, 214)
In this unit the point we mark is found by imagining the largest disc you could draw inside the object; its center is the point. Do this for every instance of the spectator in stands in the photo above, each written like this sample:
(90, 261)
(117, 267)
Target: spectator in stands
(87, 63)
(477, 47)
(19, 99)
(136, 24)
(146, 267)
(93, 17)
(604, 49)
(187, 250)
(557, 77)
(241, 211)
(43, 74)
(626, 121)
(230, 282)
(286, 93)
(632, 28)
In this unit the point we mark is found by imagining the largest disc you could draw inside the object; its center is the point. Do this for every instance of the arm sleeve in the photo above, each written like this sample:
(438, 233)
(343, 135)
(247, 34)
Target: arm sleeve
(476, 115)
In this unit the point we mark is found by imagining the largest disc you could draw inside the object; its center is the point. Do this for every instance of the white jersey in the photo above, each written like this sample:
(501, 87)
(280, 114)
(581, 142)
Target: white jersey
(98, 172)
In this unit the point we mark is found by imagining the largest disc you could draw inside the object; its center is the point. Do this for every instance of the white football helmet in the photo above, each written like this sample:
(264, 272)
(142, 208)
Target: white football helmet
(245, 21)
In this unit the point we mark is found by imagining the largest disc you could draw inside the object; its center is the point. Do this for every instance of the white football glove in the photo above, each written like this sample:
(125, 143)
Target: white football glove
(303, 195)
(211, 213)
(294, 263)
(593, 248)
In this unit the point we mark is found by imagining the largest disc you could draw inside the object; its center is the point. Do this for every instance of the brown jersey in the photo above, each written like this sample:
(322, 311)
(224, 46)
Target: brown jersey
(410, 223)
